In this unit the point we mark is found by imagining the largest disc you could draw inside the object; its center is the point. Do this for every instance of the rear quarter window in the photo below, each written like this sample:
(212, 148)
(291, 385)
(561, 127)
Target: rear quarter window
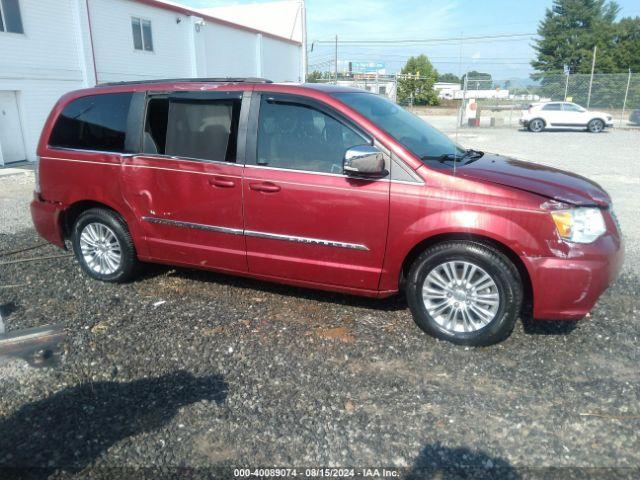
(96, 122)
(552, 107)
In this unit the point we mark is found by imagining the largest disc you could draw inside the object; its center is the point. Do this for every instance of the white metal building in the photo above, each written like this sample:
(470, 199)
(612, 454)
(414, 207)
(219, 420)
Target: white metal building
(49, 47)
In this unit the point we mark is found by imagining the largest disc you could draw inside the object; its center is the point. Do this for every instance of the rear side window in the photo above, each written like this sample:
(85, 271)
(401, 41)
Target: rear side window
(198, 128)
(97, 122)
(552, 106)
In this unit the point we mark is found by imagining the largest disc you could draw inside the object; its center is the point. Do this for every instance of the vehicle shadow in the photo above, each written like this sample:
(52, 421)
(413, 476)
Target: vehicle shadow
(532, 326)
(393, 303)
(70, 429)
(563, 130)
(445, 463)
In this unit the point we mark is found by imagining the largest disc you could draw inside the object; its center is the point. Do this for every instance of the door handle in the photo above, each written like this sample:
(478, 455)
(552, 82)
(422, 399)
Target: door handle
(222, 183)
(267, 187)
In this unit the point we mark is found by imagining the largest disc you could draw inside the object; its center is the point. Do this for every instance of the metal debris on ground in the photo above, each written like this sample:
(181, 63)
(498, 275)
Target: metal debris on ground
(39, 346)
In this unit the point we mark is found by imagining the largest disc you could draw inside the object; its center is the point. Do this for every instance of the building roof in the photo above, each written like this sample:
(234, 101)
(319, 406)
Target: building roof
(174, 7)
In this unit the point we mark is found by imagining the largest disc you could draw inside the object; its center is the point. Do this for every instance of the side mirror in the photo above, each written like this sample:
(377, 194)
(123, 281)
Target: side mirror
(364, 161)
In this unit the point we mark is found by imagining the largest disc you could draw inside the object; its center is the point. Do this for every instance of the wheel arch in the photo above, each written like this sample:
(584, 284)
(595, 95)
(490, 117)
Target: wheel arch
(597, 117)
(73, 211)
(527, 289)
(544, 122)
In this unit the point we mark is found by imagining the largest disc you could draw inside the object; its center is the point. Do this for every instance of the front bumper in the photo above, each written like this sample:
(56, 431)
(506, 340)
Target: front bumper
(46, 219)
(568, 288)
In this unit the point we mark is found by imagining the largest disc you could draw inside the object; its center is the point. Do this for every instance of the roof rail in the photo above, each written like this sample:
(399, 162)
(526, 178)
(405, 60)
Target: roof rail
(190, 80)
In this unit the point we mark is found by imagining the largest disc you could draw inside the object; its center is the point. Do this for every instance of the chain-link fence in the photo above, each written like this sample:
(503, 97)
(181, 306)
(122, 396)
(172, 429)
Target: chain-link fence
(615, 94)
(500, 102)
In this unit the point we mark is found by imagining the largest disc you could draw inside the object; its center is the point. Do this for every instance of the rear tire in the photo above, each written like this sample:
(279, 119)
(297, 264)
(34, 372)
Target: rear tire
(595, 126)
(477, 282)
(536, 125)
(103, 246)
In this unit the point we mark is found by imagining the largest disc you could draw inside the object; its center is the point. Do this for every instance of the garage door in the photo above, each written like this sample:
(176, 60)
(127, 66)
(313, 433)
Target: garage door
(11, 140)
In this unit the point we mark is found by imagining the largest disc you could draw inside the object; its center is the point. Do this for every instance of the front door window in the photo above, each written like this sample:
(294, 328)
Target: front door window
(299, 137)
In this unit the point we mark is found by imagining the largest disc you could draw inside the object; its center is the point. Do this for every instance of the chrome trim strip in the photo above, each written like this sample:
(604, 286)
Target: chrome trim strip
(158, 156)
(418, 181)
(252, 233)
(315, 185)
(313, 241)
(195, 226)
(150, 167)
(180, 170)
(406, 182)
(113, 164)
(88, 150)
(324, 174)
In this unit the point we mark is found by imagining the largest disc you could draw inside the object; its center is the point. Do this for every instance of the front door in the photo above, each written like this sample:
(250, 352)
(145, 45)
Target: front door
(304, 219)
(574, 115)
(186, 189)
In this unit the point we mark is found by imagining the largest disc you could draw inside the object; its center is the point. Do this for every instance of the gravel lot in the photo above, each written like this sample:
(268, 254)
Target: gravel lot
(193, 369)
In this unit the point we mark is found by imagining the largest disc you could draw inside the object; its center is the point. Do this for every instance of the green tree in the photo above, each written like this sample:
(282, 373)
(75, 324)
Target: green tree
(415, 84)
(568, 33)
(318, 77)
(448, 78)
(627, 40)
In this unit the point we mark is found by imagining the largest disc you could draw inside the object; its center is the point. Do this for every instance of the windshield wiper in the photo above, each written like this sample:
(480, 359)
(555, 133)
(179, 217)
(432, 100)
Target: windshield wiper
(474, 154)
(445, 157)
(453, 157)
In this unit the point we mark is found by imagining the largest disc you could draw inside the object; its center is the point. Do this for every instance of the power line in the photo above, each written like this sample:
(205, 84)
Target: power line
(504, 36)
(431, 57)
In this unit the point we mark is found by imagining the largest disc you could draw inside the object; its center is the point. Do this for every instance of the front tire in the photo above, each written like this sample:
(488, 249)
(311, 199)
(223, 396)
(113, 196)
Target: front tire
(464, 292)
(536, 125)
(595, 126)
(103, 246)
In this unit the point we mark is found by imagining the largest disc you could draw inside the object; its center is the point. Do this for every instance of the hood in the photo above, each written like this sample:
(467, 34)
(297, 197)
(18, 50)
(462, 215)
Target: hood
(532, 177)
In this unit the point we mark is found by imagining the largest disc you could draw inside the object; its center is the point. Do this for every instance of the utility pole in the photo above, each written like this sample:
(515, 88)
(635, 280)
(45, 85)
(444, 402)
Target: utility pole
(593, 66)
(624, 104)
(303, 10)
(336, 60)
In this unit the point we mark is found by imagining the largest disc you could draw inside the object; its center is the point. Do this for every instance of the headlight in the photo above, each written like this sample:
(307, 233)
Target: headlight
(579, 225)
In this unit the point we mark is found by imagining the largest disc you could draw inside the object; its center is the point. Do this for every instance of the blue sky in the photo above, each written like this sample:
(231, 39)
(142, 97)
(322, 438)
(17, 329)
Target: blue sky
(427, 19)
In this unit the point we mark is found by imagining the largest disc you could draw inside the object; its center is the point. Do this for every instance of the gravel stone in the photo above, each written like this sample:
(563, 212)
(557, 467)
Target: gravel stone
(235, 372)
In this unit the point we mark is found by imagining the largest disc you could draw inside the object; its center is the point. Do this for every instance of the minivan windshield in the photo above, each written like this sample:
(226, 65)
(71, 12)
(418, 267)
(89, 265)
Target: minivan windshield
(412, 132)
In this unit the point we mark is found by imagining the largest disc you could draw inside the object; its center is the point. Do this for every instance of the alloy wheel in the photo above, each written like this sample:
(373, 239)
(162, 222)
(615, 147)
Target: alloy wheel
(460, 296)
(537, 125)
(596, 126)
(100, 248)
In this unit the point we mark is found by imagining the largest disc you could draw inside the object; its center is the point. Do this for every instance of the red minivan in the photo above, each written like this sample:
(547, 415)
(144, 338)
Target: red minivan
(325, 187)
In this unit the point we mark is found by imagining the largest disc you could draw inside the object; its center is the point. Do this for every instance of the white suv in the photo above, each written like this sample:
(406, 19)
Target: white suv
(564, 115)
